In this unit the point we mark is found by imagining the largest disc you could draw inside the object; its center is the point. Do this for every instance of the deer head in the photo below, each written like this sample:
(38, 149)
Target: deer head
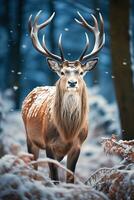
(71, 72)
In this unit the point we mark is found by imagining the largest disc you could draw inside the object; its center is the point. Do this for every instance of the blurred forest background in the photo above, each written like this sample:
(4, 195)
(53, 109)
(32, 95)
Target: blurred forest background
(111, 84)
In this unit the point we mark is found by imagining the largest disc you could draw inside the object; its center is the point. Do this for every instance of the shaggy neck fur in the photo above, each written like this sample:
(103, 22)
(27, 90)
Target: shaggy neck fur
(70, 111)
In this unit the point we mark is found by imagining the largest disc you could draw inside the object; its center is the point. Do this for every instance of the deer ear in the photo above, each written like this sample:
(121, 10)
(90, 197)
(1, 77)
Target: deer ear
(53, 64)
(89, 65)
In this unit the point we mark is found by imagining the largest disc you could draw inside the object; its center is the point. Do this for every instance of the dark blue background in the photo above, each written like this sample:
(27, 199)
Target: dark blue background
(34, 70)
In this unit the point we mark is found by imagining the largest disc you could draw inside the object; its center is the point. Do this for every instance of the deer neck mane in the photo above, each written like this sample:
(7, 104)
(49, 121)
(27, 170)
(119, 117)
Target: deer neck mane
(70, 111)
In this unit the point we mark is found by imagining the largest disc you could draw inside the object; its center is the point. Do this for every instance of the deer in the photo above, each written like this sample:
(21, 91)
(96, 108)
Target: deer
(56, 117)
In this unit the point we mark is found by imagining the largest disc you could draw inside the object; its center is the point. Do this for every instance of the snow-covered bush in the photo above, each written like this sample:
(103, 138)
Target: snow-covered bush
(11, 135)
(117, 182)
(103, 117)
(6, 104)
(20, 181)
(13, 138)
(6, 101)
(122, 148)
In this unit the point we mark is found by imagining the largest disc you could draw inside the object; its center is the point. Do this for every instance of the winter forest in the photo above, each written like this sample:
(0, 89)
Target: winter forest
(105, 168)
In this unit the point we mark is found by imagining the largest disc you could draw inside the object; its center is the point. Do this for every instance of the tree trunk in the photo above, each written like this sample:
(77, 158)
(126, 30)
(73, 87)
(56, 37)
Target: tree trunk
(120, 50)
(17, 51)
(14, 54)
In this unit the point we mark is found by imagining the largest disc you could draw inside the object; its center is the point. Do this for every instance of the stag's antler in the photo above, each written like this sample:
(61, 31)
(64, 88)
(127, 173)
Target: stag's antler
(34, 28)
(99, 36)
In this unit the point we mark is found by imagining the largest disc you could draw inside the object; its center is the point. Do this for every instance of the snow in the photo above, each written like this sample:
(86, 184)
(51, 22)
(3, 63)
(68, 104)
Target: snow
(15, 87)
(103, 117)
(19, 73)
(19, 181)
(24, 46)
(66, 29)
(124, 63)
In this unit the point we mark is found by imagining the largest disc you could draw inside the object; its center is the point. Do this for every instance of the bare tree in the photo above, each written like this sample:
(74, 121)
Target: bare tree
(120, 49)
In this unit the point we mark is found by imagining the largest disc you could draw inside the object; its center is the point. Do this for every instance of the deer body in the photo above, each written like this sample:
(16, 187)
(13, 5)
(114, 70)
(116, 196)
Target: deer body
(56, 117)
(55, 121)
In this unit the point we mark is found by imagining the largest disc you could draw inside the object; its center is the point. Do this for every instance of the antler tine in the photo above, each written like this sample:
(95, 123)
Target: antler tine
(99, 35)
(60, 48)
(86, 47)
(96, 33)
(33, 33)
(34, 28)
(36, 19)
(102, 26)
(51, 55)
(95, 27)
(83, 22)
(30, 23)
(47, 21)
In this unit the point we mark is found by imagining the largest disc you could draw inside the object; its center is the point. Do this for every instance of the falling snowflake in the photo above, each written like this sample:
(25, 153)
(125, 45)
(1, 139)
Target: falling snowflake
(124, 63)
(19, 73)
(15, 87)
(66, 29)
(24, 46)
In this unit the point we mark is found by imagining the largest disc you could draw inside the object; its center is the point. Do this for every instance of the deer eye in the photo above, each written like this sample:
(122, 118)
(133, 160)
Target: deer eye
(81, 73)
(62, 73)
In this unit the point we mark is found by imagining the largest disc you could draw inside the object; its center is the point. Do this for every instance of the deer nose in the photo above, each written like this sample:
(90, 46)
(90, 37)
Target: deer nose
(72, 83)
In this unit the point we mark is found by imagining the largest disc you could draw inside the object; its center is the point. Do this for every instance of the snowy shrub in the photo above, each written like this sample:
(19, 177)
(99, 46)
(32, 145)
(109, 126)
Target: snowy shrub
(6, 101)
(20, 181)
(6, 104)
(103, 117)
(1, 113)
(12, 136)
(117, 182)
(123, 148)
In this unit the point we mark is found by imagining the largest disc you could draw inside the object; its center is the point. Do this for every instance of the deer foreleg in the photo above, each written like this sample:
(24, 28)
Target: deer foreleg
(33, 150)
(72, 159)
(52, 167)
